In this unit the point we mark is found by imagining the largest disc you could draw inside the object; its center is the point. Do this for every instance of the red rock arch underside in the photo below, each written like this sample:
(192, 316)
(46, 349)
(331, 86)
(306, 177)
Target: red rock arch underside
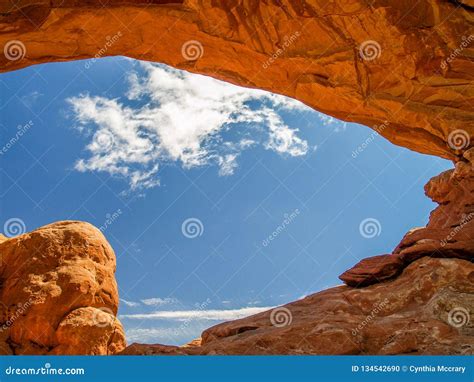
(414, 82)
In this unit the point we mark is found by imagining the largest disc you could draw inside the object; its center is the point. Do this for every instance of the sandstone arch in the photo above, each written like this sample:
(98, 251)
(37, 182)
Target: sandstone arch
(416, 91)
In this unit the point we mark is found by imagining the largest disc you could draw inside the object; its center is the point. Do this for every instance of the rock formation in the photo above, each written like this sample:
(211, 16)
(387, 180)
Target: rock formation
(58, 293)
(404, 68)
(426, 310)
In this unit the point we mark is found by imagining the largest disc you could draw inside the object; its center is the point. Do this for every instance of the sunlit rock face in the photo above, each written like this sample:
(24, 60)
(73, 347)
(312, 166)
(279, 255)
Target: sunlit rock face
(58, 293)
(400, 67)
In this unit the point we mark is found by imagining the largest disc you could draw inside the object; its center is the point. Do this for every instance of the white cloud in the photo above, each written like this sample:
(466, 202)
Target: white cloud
(145, 335)
(129, 303)
(156, 301)
(210, 315)
(175, 116)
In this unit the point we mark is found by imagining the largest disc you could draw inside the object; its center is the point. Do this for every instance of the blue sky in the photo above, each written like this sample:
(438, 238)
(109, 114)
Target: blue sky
(218, 201)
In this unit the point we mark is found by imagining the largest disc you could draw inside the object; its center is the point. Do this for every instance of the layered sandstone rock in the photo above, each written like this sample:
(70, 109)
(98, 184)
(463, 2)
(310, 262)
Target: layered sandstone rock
(58, 293)
(449, 232)
(404, 68)
(428, 309)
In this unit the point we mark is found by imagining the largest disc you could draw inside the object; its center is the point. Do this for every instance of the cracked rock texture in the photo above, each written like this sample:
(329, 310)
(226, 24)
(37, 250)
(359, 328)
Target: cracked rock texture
(412, 82)
(426, 310)
(58, 293)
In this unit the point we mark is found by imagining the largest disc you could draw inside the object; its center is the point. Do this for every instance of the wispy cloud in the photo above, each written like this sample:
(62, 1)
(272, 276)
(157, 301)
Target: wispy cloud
(210, 315)
(129, 303)
(175, 116)
(150, 334)
(156, 301)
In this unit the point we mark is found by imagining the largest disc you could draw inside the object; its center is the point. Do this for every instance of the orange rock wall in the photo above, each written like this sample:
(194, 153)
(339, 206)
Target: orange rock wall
(404, 68)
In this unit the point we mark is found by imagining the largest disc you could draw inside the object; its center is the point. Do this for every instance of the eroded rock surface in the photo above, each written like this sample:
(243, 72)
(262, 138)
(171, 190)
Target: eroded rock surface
(58, 293)
(428, 309)
(404, 68)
